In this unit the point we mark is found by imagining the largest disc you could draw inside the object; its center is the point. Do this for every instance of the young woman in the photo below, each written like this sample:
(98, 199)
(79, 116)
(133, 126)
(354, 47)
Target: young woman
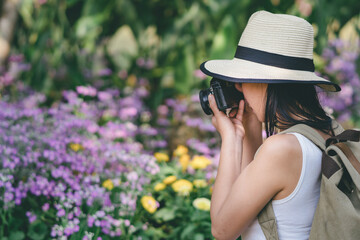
(273, 68)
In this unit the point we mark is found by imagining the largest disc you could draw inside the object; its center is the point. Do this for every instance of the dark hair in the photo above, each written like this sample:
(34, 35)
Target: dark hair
(301, 100)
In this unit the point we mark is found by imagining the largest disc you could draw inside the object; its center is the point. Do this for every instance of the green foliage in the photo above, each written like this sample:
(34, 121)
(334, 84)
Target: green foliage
(37, 231)
(67, 42)
(178, 216)
(17, 236)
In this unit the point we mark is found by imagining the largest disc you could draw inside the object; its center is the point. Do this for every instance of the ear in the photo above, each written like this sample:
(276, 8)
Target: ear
(238, 87)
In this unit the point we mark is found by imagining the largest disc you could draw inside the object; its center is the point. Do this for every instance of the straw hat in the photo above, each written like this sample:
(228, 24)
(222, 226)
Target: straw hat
(274, 48)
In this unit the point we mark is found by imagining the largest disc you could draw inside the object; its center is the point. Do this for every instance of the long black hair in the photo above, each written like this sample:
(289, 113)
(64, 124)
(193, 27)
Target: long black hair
(301, 100)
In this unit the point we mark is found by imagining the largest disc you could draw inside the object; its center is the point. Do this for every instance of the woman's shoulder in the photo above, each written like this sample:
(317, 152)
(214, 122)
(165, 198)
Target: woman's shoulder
(281, 144)
(278, 148)
(280, 159)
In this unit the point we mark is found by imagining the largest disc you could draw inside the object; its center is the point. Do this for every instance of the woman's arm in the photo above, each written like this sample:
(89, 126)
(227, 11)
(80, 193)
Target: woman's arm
(239, 148)
(227, 173)
(235, 204)
(239, 194)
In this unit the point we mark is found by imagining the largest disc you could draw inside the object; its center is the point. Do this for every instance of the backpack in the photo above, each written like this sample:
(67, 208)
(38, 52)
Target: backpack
(337, 214)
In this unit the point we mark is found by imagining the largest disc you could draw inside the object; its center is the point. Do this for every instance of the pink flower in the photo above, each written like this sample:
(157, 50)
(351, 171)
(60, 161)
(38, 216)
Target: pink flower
(41, 2)
(199, 74)
(305, 8)
(123, 74)
(46, 207)
(104, 96)
(86, 90)
(61, 213)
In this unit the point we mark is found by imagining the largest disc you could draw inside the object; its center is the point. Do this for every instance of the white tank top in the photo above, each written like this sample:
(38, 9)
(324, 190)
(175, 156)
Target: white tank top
(294, 214)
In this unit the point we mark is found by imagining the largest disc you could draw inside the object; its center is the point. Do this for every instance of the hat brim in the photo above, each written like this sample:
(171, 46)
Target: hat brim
(239, 70)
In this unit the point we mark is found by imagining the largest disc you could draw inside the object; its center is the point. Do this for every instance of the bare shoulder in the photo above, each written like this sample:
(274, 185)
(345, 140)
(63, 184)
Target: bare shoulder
(277, 149)
(279, 161)
(281, 143)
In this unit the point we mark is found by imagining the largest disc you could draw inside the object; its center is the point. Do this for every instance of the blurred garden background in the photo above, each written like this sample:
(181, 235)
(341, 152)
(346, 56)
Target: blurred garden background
(101, 132)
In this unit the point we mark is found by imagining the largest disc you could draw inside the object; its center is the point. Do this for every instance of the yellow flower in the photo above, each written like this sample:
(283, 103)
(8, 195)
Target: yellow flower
(131, 80)
(169, 180)
(211, 189)
(202, 204)
(180, 150)
(200, 183)
(200, 162)
(184, 161)
(108, 184)
(161, 157)
(183, 187)
(149, 204)
(76, 147)
(159, 186)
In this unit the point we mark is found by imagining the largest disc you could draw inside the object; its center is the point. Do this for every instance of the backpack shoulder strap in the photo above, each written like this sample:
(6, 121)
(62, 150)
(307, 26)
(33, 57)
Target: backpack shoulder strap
(267, 222)
(309, 133)
(313, 135)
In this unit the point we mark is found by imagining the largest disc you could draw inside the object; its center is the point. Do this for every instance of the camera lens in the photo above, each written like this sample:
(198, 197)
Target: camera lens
(204, 101)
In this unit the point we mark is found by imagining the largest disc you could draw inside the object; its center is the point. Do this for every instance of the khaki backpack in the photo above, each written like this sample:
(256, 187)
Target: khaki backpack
(337, 215)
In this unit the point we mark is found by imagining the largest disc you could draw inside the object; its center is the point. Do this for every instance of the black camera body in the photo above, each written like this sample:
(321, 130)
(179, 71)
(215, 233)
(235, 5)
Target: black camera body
(226, 96)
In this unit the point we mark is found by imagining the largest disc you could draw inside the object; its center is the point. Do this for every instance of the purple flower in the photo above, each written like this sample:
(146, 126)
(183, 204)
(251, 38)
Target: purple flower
(90, 221)
(100, 214)
(163, 110)
(46, 207)
(127, 222)
(128, 112)
(61, 213)
(140, 62)
(32, 217)
(16, 58)
(149, 64)
(104, 72)
(86, 90)
(104, 96)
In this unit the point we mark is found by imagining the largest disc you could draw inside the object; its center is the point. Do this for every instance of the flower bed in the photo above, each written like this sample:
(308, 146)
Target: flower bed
(90, 167)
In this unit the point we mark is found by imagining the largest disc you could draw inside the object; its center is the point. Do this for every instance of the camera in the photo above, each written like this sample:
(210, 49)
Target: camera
(226, 96)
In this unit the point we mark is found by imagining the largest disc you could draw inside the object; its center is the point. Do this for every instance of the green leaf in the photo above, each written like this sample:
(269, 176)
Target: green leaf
(184, 78)
(165, 214)
(199, 236)
(188, 231)
(26, 12)
(200, 216)
(166, 170)
(155, 233)
(71, 2)
(225, 40)
(17, 236)
(122, 47)
(186, 18)
(37, 230)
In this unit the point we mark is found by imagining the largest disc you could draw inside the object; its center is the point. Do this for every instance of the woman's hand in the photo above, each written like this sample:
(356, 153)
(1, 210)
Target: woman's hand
(228, 126)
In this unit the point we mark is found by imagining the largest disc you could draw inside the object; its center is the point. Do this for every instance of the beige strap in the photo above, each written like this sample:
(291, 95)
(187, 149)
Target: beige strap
(267, 222)
(309, 133)
(350, 155)
(312, 134)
